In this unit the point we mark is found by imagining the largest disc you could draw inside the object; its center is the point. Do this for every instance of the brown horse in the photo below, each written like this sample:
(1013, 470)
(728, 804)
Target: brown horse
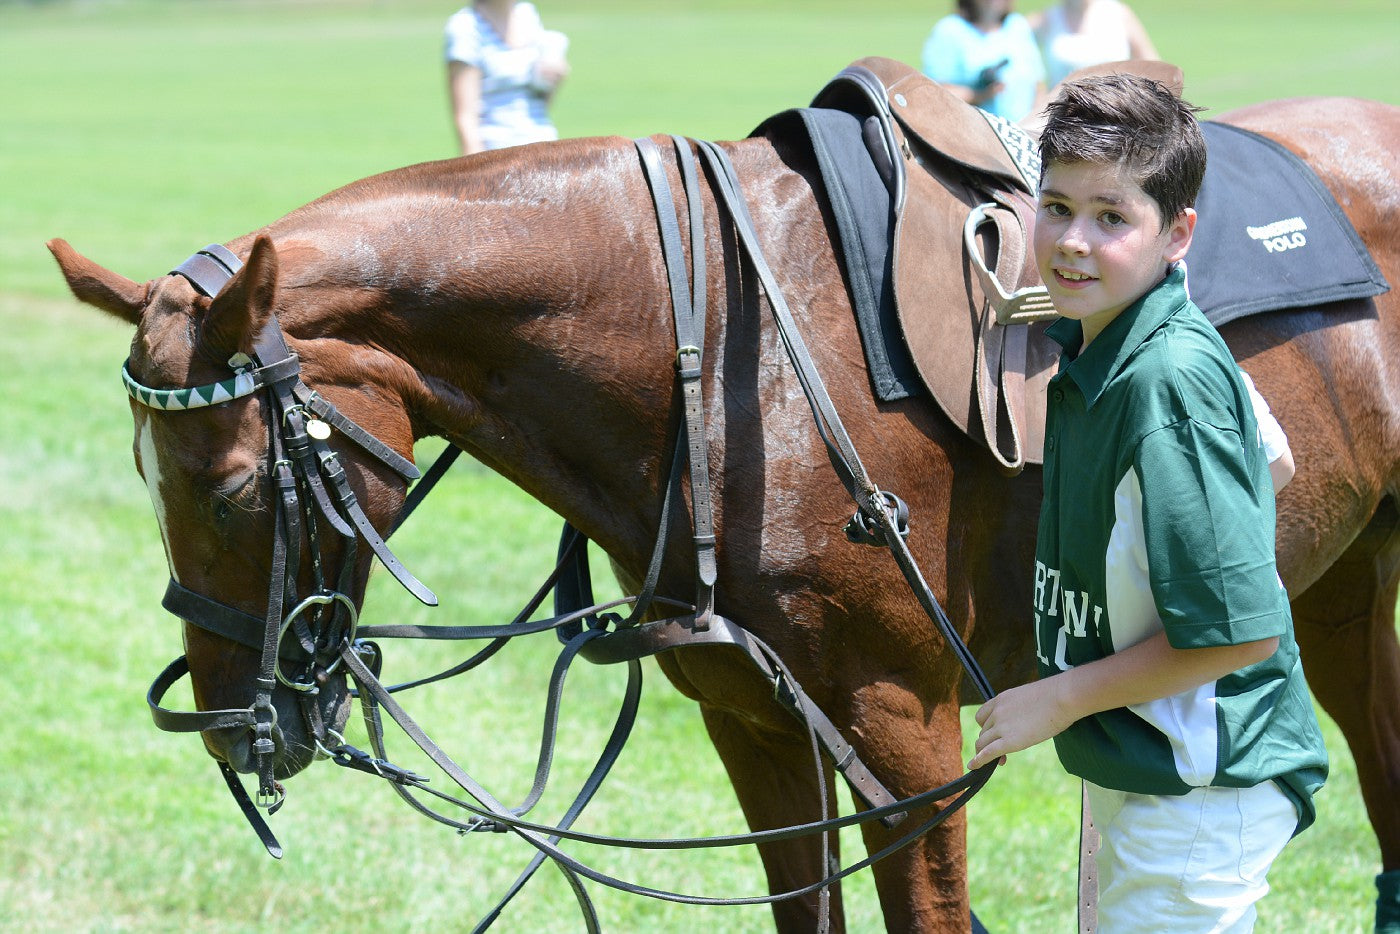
(515, 303)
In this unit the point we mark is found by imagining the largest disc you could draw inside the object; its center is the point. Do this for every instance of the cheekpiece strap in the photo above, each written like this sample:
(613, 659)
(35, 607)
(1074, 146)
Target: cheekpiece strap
(210, 269)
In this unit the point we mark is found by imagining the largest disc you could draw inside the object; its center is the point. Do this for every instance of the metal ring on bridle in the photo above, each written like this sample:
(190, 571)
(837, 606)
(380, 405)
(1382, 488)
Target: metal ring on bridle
(317, 599)
(321, 751)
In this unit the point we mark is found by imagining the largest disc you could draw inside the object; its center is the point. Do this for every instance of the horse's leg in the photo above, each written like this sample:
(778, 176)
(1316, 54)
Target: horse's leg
(922, 887)
(1345, 624)
(768, 758)
(774, 776)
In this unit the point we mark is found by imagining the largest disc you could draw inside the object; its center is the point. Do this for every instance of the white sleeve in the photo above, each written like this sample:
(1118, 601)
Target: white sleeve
(527, 23)
(1271, 436)
(462, 41)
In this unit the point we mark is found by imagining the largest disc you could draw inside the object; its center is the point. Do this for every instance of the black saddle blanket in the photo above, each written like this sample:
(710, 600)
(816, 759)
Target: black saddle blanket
(1269, 234)
(860, 196)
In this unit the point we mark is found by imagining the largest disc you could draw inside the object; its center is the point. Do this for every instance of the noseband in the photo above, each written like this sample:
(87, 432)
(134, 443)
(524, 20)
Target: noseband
(308, 480)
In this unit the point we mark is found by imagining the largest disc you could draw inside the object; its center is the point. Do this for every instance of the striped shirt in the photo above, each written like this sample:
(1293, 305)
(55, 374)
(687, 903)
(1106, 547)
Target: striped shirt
(514, 109)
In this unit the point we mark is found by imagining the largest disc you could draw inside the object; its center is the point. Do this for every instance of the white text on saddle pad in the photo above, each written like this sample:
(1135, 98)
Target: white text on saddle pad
(1281, 235)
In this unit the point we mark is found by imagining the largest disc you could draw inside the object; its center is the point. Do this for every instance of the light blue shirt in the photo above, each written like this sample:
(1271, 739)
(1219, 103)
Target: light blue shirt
(956, 52)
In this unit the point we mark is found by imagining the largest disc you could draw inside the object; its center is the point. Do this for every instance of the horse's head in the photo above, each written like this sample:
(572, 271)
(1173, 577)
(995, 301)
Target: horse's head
(270, 460)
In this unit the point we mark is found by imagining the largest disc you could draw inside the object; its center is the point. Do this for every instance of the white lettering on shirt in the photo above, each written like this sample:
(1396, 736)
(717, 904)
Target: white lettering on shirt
(1079, 614)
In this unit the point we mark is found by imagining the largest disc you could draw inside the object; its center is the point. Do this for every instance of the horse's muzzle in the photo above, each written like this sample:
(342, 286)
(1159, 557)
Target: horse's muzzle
(306, 728)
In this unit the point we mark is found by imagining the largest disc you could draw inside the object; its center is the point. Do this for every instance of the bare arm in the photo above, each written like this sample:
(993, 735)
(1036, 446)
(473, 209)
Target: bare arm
(464, 90)
(1020, 717)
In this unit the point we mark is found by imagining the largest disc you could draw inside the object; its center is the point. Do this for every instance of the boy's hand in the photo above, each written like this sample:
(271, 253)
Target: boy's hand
(1019, 718)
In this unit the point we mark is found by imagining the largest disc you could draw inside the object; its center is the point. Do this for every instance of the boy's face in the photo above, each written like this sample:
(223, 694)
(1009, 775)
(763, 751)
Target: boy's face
(1099, 242)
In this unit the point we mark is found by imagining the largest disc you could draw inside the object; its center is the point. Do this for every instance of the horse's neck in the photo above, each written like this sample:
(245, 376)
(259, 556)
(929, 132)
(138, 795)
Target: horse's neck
(526, 298)
(527, 291)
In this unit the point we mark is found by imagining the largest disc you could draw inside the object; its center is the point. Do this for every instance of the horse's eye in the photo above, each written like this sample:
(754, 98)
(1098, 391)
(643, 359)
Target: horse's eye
(234, 494)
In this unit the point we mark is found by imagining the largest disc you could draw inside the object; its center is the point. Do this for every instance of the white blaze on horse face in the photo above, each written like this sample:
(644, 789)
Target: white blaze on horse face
(150, 469)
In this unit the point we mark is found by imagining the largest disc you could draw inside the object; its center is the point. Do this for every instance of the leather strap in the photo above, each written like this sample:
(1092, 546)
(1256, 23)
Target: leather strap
(220, 619)
(1089, 844)
(330, 466)
(688, 369)
(665, 635)
(250, 811)
(323, 410)
(542, 836)
(317, 459)
(178, 721)
(840, 451)
(209, 269)
(689, 373)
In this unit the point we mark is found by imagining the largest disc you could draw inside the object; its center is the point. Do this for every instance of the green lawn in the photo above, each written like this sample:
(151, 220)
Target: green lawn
(143, 130)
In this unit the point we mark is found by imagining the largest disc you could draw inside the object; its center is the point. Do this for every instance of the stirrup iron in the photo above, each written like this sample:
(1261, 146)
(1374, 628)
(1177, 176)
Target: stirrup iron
(1024, 306)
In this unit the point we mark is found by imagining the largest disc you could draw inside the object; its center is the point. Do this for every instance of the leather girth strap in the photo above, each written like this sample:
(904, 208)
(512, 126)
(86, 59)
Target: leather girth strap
(688, 313)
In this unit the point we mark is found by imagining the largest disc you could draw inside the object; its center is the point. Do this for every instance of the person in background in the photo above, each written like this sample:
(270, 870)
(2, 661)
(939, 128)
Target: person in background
(986, 54)
(1075, 34)
(503, 68)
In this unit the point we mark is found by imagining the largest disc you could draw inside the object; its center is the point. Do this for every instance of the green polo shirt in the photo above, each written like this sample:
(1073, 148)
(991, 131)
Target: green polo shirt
(1159, 514)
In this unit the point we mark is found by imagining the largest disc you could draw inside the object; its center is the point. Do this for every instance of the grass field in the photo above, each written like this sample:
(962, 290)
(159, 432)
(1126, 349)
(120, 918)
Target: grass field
(143, 130)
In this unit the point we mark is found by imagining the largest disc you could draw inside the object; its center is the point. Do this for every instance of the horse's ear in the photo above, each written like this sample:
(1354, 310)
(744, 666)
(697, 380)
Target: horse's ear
(97, 286)
(243, 306)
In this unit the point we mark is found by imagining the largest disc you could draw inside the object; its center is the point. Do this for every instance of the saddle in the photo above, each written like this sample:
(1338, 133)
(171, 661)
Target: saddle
(942, 166)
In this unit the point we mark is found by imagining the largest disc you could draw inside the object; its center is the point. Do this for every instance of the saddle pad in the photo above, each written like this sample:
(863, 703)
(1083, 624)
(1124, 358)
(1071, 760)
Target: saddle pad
(860, 202)
(1270, 235)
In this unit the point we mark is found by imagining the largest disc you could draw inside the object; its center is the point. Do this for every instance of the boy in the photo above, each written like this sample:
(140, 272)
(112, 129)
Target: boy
(1170, 678)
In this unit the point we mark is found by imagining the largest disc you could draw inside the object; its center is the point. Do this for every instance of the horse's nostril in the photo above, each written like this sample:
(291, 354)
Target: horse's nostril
(234, 747)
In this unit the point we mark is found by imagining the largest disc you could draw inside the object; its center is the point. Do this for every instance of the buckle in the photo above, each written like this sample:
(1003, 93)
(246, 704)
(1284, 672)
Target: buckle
(865, 529)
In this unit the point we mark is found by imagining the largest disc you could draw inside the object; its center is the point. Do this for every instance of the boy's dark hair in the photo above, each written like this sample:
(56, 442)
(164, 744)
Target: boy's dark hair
(1135, 122)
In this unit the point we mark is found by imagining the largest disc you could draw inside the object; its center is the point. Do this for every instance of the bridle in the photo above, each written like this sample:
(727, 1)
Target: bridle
(302, 638)
(309, 481)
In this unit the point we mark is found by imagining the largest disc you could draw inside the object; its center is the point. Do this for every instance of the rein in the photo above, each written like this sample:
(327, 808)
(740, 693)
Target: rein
(326, 631)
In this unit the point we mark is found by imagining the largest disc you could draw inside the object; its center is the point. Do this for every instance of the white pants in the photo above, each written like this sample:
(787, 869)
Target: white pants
(1188, 864)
